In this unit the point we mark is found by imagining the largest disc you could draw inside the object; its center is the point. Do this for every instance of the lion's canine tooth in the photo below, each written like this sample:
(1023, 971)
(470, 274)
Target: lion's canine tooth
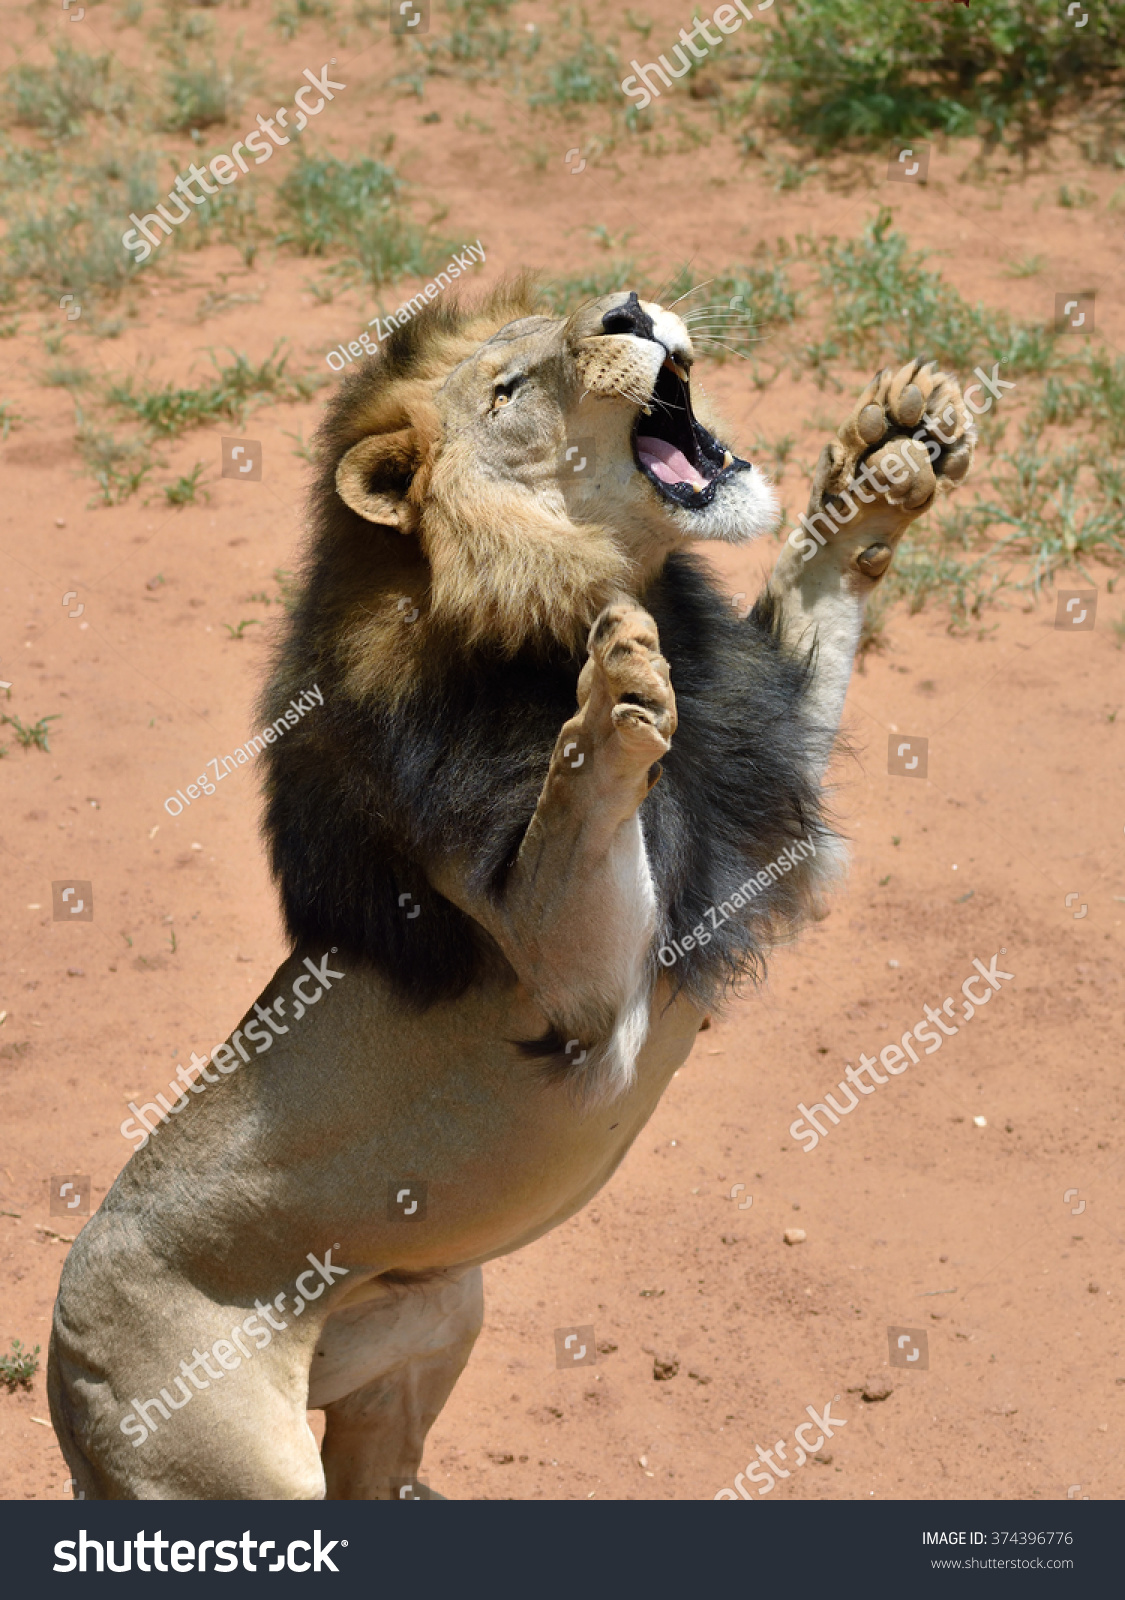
(681, 372)
(728, 459)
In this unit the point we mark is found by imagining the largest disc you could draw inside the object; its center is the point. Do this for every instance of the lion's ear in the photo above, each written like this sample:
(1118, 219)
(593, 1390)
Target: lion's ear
(375, 475)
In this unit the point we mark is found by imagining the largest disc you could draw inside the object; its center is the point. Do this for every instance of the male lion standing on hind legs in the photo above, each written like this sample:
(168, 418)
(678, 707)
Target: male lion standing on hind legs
(477, 859)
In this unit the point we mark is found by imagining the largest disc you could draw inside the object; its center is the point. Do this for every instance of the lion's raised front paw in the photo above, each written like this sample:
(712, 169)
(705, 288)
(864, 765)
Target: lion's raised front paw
(908, 436)
(910, 407)
(624, 688)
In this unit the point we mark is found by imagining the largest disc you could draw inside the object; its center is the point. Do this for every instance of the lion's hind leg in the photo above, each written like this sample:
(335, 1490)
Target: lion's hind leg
(382, 1371)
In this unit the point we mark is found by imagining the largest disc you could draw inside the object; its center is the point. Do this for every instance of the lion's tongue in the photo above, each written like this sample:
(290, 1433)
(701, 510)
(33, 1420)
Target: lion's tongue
(667, 463)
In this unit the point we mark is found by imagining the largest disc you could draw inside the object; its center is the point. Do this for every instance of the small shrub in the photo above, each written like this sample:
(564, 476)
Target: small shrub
(19, 1367)
(202, 97)
(118, 466)
(354, 207)
(587, 76)
(64, 224)
(56, 101)
(871, 70)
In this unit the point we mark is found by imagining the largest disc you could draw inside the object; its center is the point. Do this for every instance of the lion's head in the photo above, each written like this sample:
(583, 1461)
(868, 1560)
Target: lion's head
(530, 466)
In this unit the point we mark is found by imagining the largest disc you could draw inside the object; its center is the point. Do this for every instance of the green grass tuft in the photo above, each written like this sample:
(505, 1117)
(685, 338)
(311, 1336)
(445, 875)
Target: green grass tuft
(57, 101)
(168, 411)
(886, 305)
(354, 208)
(202, 96)
(65, 221)
(33, 734)
(185, 491)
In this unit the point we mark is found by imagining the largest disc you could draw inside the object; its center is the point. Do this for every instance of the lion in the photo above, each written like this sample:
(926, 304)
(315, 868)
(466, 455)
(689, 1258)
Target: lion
(548, 744)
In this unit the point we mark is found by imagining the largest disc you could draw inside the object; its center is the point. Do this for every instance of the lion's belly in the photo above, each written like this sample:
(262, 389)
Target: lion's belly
(313, 1145)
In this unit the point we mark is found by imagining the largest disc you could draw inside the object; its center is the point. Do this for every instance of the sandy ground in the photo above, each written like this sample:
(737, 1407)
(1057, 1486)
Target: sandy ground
(1001, 1242)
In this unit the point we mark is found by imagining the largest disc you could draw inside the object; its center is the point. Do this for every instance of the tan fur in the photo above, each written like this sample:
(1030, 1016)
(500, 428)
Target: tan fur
(304, 1151)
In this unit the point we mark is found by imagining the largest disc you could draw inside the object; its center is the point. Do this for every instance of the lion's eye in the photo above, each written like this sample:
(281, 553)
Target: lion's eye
(503, 392)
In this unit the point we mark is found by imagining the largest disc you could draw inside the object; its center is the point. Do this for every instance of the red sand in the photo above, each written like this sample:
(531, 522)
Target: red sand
(915, 1217)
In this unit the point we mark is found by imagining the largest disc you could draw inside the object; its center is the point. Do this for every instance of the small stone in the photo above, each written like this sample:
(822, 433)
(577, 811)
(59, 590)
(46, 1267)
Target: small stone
(875, 1388)
(825, 1458)
(197, 847)
(795, 1235)
(60, 522)
(892, 963)
(980, 1122)
(75, 972)
(1092, 1288)
(665, 1366)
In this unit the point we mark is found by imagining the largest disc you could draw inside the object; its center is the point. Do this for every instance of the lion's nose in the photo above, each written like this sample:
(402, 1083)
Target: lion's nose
(629, 318)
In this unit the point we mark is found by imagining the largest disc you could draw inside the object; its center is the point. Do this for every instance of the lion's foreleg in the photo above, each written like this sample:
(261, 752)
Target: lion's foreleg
(578, 909)
(909, 436)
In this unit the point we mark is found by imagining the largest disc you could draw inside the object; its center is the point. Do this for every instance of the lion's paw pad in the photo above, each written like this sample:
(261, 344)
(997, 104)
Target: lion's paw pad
(909, 433)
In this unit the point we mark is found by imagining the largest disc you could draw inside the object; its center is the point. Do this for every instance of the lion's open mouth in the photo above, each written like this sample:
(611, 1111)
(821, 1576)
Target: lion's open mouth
(676, 453)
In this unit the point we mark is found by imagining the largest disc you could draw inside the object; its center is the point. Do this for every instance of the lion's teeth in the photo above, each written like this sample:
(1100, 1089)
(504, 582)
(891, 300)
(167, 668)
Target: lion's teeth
(681, 372)
(728, 459)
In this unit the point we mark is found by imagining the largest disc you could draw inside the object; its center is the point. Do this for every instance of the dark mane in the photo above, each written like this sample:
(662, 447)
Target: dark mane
(360, 793)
